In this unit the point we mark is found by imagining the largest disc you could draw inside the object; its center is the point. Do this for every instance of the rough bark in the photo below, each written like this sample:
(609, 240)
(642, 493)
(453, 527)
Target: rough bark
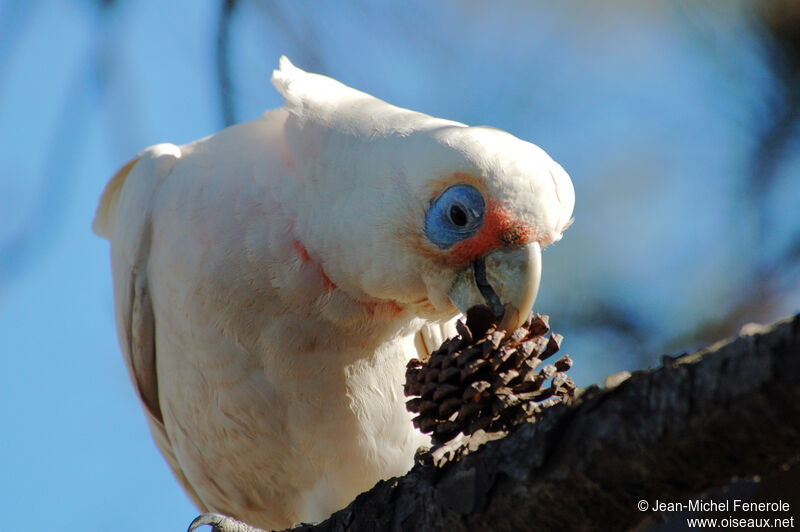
(699, 421)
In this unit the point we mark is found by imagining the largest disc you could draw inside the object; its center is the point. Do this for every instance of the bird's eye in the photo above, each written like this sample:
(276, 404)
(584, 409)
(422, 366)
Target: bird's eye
(457, 214)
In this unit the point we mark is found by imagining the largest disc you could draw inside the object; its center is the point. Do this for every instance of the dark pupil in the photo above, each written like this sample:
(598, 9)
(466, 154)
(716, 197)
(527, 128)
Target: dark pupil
(458, 216)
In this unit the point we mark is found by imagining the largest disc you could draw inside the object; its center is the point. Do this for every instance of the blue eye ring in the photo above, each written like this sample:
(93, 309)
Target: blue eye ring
(455, 215)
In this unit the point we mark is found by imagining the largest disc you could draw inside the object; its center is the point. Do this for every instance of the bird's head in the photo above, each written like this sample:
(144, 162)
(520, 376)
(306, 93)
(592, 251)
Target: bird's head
(487, 218)
(427, 213)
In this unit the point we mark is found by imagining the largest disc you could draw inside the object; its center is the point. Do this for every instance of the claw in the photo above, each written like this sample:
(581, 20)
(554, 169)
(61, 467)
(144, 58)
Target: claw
(221, 523)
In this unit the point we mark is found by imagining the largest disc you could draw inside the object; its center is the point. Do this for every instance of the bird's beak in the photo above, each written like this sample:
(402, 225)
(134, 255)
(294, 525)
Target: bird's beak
(506, 280)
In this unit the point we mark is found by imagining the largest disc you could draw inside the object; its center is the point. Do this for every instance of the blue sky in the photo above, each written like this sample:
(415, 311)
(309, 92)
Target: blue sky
(647, 107)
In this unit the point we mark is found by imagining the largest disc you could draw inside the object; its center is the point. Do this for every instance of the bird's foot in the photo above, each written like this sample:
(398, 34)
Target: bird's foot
(221, 523)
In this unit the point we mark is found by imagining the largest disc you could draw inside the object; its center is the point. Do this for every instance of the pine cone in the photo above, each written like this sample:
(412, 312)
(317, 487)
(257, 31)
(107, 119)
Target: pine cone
(485, 379)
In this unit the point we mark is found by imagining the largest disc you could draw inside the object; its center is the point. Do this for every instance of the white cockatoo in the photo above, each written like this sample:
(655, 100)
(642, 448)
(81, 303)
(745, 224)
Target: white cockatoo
(271, 282)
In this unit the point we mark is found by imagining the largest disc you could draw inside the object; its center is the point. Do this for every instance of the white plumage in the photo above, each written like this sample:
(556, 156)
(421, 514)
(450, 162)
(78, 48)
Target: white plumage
(271, 282)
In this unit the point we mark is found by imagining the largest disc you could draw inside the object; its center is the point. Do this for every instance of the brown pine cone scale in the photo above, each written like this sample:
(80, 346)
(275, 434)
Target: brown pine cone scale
(487, 379)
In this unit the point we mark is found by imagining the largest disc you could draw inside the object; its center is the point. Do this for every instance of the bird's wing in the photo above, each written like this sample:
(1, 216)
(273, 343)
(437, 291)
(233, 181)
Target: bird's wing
(132, 300)
(133, 307)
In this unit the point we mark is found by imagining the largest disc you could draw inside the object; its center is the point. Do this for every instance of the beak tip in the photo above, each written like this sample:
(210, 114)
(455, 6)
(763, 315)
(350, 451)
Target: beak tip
(512, 318)
(505, 282)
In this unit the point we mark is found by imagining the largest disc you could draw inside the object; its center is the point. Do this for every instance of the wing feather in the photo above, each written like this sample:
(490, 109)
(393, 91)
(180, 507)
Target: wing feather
(128, 197)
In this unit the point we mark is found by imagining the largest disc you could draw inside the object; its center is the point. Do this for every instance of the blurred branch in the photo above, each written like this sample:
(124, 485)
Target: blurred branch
(605, 319)
(68, 132)
(302, 35)
(224, 83)
(779, 25)
(777, 124)
(614, 316)
(14, 19)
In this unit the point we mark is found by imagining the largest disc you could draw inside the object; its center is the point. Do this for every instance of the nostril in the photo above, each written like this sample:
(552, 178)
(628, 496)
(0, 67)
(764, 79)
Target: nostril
(516, 236)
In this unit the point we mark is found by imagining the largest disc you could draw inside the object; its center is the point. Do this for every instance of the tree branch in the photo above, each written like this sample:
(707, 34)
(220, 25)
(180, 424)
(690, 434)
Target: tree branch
(222, 60)
(730, 410)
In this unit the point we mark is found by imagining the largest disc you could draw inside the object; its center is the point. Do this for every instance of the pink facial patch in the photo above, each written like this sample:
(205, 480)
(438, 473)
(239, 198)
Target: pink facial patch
(499, 230)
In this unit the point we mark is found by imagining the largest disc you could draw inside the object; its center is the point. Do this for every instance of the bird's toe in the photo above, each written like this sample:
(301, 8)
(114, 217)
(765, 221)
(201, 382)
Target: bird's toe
(221, 523)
